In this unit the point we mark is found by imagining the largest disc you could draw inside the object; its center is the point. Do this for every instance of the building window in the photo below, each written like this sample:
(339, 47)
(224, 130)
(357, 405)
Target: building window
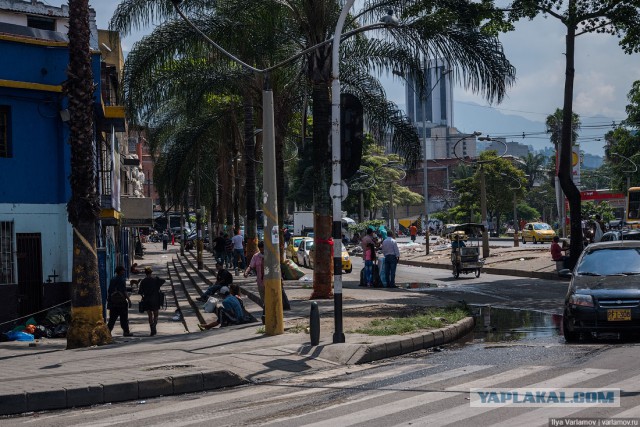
(5, 134)
(41, 23)
(7, 267)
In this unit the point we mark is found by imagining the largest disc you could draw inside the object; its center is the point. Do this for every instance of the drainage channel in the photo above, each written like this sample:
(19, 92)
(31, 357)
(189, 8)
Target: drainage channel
(495, 324)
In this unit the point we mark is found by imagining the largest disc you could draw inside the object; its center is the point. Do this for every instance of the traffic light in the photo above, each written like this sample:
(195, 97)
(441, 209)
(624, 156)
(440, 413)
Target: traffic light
(351, 134)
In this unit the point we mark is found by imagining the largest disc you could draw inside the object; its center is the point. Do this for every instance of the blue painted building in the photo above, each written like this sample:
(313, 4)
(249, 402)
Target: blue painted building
(35, 236)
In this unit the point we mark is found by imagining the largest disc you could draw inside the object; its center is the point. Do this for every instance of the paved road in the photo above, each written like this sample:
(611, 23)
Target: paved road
(425, 388)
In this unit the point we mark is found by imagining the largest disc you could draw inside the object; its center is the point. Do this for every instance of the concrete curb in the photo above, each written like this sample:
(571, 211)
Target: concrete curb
(353, 354)
(546, 275)
(70, 397)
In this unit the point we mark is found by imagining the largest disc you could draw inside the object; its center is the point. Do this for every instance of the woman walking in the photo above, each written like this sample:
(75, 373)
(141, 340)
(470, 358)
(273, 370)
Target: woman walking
(152, 299)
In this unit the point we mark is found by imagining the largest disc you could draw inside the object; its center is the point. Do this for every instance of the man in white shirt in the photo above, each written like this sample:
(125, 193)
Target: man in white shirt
(238, 250)
(391, 256)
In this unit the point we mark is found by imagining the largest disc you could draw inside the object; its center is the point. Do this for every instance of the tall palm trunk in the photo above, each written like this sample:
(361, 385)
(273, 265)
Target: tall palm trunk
(250, 228)
(87, 326)
(322, 224)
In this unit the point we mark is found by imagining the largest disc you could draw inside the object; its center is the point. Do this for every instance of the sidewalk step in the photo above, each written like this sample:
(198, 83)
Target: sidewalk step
(247, 286)
(177, 296)
(188, 302)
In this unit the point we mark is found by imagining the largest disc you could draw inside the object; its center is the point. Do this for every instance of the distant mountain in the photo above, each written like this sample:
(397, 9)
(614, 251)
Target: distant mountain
(469, 117)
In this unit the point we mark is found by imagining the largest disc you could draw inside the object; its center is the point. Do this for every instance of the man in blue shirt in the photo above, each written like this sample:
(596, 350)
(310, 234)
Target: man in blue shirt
(230, 313)
(391, 256)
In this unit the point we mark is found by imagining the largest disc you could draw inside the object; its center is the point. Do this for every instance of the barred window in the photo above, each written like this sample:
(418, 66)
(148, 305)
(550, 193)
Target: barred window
(5, 136)
(7, 266)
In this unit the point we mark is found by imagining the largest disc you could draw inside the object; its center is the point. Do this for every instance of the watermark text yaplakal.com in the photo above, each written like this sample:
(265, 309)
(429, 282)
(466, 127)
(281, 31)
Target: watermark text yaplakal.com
(617, 422)
(545, 397)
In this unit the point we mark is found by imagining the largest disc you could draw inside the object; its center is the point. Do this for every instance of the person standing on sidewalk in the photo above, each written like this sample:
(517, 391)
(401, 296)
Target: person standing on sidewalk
(152, 299)
(413, 232)
(238, 250)
(368, 255)
(118, 302)
(391, 256)
(228, 251)
(218, 247)
(165, 241)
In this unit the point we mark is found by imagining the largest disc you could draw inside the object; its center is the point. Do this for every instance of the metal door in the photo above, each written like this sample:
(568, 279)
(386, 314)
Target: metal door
(30, 286)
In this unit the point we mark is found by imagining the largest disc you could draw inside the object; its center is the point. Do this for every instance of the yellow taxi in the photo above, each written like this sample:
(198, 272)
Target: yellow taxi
(291, 250)
(537, 232)
(346, 260)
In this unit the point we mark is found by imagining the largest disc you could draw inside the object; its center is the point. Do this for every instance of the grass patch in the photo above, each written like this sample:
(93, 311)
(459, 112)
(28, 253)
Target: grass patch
(260, 330)
(297, 329)
(431, 319)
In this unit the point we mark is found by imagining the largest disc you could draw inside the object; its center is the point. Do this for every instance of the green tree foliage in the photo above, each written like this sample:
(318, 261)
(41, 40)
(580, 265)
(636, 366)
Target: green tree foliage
(385, 179)
(623, 145)
(620, 18)
(604, 209)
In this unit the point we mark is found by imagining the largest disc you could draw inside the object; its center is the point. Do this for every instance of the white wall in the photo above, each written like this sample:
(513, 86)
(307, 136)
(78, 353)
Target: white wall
(51, 222)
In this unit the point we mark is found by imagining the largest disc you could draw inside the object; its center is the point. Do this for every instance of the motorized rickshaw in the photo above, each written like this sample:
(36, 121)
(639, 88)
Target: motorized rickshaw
(466, 259)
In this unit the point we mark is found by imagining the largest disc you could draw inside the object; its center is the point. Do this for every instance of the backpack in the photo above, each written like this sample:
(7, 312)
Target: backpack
(228, 245)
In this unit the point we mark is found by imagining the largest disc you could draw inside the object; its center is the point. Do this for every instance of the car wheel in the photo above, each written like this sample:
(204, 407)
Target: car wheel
(569, 336)
(349, 270)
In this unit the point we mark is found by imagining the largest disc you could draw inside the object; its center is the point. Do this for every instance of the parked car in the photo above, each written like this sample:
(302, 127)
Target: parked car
(346, 260)
(303, 252)
(537, 232)
(291, 251)
(611, 236)
(604, 293)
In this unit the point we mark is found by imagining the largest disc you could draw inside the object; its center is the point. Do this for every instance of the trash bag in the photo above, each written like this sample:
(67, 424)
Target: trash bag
(210, 305)
(291, 271)
(19, 336)
(56, 316)
(42, 332)
(60, 331)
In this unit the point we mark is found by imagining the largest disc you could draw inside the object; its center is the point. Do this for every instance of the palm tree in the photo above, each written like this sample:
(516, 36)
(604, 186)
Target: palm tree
(533, 168)
(87, 326)
(477, 58)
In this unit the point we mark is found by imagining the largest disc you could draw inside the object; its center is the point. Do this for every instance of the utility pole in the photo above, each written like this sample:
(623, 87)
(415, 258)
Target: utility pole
(483, 208)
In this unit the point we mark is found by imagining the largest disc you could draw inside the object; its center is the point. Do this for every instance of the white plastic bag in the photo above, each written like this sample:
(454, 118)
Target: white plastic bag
(210, 305)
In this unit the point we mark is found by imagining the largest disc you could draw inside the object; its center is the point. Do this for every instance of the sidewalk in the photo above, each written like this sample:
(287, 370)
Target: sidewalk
(46, 376)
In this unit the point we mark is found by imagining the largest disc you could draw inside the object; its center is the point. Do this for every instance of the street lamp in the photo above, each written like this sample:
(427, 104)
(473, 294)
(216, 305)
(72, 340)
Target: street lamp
(336, 173)
(425, 168)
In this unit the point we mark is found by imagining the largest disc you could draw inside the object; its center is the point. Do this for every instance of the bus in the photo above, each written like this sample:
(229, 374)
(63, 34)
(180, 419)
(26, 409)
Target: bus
(633, 207)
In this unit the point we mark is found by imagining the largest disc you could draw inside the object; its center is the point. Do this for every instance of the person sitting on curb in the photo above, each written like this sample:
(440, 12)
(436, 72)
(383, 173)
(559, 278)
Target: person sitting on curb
(230, 313)
(556, 252)
(224, 278)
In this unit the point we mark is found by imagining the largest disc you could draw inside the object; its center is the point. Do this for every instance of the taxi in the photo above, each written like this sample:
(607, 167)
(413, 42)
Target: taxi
(537, 232)
(346, 260)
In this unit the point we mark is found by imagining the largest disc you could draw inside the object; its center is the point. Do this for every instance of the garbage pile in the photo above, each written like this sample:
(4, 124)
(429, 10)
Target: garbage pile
(54, 325)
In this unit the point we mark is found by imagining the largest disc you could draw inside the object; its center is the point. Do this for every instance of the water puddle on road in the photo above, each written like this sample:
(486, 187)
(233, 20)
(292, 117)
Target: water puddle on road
(508, 324)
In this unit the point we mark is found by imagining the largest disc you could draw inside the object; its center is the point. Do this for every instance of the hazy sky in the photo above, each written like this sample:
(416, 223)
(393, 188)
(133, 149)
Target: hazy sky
(604, 74)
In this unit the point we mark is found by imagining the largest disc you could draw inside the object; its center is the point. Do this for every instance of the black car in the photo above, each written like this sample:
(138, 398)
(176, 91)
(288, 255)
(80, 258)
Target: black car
(614, 235)
(604, 293)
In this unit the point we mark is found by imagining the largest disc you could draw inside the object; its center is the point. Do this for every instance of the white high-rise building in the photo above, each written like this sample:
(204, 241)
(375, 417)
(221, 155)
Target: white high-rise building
(436, 107)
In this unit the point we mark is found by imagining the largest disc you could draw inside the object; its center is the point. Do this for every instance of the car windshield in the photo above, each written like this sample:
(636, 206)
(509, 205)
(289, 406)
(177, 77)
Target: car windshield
(541, 227)
(296, 242)
(309, 245)
(609, 262)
